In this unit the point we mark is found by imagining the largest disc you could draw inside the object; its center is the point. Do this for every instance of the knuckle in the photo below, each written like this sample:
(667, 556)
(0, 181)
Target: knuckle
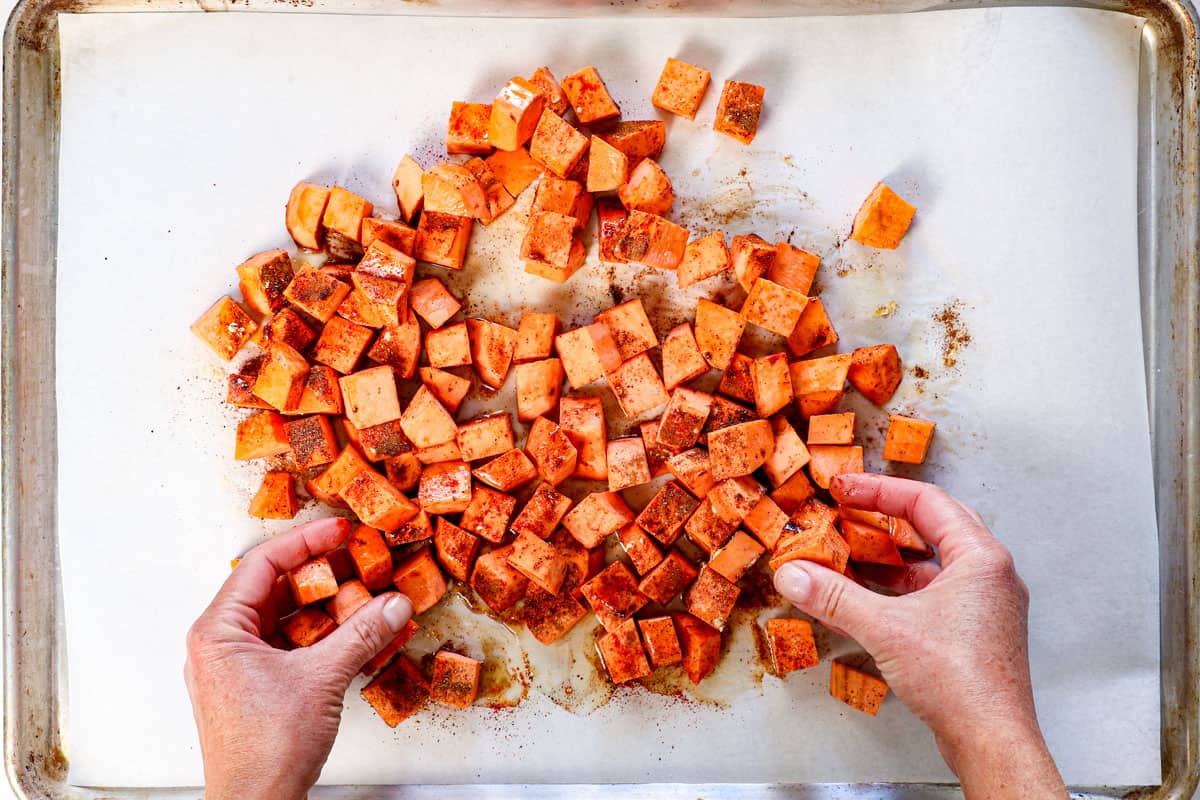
(831, 599)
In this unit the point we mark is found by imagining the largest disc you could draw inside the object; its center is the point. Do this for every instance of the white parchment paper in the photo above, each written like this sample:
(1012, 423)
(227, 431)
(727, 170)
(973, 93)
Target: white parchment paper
(1013, 130)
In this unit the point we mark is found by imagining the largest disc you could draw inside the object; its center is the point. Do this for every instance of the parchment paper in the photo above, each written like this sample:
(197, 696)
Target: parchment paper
(1013, 130)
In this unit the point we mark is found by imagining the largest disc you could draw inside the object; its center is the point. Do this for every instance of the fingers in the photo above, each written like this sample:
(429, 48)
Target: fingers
(361, 637)
(942, 520)
(902, 580)
(834, 599)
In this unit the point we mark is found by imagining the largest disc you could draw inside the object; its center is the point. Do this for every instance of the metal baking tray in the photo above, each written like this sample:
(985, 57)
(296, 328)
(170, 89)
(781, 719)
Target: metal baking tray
(1169, 243)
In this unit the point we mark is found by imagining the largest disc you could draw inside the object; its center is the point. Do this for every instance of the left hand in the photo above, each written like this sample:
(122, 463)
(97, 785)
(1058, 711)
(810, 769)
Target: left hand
(267, 717)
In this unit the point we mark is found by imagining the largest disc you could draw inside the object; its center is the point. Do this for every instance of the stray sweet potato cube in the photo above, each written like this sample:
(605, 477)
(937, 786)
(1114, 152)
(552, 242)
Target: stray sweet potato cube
(488, 513)
(648, 189)
(692, 469)
(580, 360)
(445, 488)
(907, 439)
(751, 257)
(312, 581)
(791, 644)
(539, 386)
(682, 361)
(611, 217)
(680, 88)
(351, 596)
(275, 498)
(507, 472)
(589, 96)
(637, 386)
(377, 502)
(740, 449)
(552, 451)
(766, 521)
(442, 239)
(499, 585)
(550, 617)
(870, 544)
(641, 549)
(613, 595)
(535, 336)
(711, 597)
(538, 561)
(737, 556)
(419, 579)
(701, 646)
(370, 397)
(225, 327)
(492, 346)
(467, 130)
(282, 378)
(515, 113)
(793, 268)
(707, 530)
(261, 436)
(372, 558)
(321, 394)
(597, 515)
(556, 145)
(305, 210)
(703, 258)
(433, 302)
(772, 384)
(684, 418)
(668, 578)
(819, 383)
(661, 641)
(664, 516)
(773, 307)
(446, 387)
(734, 499)
(831, 428)
(883, 219)
(627, 465)
(455, 681)
(856, 688)
(821, 544)
(542, 514)
(342, 344)
(622, 652)
(312, 441)
(718, 331)
(651, 240)
(327, 487)
(608, 167)
(307, 626)
(875, 372)
(582, 420)
(316, 293)
(514, 169)
(739, 110)
(456, 549)
(406, 182)
(630, 327)
(262, 279)
(398, 692)
(829, 460)
(345, 212)
(485, 437)
(813, 330)
(426, 422)
(399, 347)
(789, 454)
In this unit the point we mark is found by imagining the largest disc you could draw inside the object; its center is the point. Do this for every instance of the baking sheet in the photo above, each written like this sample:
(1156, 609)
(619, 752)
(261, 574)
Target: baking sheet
(192, 128)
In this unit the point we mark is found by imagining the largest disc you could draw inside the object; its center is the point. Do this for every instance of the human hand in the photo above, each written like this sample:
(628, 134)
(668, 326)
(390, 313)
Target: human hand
(953, 645)
(266, 717)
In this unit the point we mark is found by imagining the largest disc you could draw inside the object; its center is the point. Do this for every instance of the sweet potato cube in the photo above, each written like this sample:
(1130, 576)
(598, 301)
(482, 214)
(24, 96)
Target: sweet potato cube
(665, 514)
(342, 344)
(751, 257)
(351, 596)
(488, 513)
(637, 139)
(225, 327)
(542, 514)
(668, 578)
(385, 262)
(426, 422)
(549, 238)
(883, 219)
(486, 437)
(651, 240)
(813, 330)
(875, 372)
(397, 692)
(399, 347)
(819, 383)
(261, 436)
(449, 346)
(606, 348)
(539, 386)
(739, 110)
(813, 514)
(613, 595)
(630, 327)
(680, 88)
(907, 439)
(305, 210)
(791, 644)
(718, 331)
(556, 99)
(499, 586)
(682, 361)
(820, 544)
(703, 258)
(789, 454)
(445, 488)
(419, 579)
(552, 451)
(456, 549)
(582, 420)
(637, 386)
(393, 233)
(307, 626)
(538, 561)
(312, 581)
(439, 453)
(406, 182)
(442, 239)
(693, 470)
(556, 145)
(773, 307)
(711, 597)
(772, 384)
(498, 198)
(282, 378)
(740, 449)
(376, 502)
(622, 653)
(240, 387)
(370, 397)
(514, 169)
(597, 515)
(793, 268)
(906, 538)
(345, 212)
(684, 418)
(831, 428)
(661, 641)
(492, 346)
(455, 681)
(627, 465)
(701, 646)
(417, 529)
(372, 558)
(446, 387)
(321, 394)
(327, 487)
(725, 414)
(870, 544)
(829, 460)
(737, 556)
(648, 189)
(732, 500)
(611, 217)
(507, 472)
(312, 441)
(566, 197)
(316, 293)
(433, 302)
(589, 96)
(707, 530)
(535, 336)
(285, 326)
(856, 688)
(357, 308)
(656, 454)
(580, 360)
(608, 167)
(384, 656)
(275, 498)
(738, 379)
(262, 279)
(559, 273)
(641, 549)
(766, 521)
(550, 617)
(514, 114)
(467, 130)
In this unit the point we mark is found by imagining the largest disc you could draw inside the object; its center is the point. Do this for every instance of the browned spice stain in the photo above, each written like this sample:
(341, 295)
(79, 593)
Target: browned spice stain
(955, 335)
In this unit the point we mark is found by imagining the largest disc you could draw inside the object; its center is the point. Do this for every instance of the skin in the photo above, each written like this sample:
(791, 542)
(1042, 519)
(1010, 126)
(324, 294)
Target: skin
(964, 619)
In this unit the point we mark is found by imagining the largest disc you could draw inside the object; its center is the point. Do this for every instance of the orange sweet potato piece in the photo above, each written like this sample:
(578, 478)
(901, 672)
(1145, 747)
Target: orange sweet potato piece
(656, 454)
(703, 258)
(566, 197)
(684, 418)
(668, 578)
(718, 331)
(608, 167)
(406, 182)
(856, 688)
(492, 346)
(648, 189)
(456, 549)
(262, 279)
(651, 240)
(682, 361)
(740, 449)
(372, 558)
(627, 465)
(876, 372)
(692, 469)
(327, 486)
(831, 428)
(316, 293)
(539, 386)
(870, 544)
(772, 384)
(488, 513)
(507, 472)
(829, 460)
(276, 497)
(282, 378)
(445, 488)
(433, 302)
(791, 644)
(370, 397)
(446, 387)
(605, 345)
(542, 514)
(552, 451)
(538, 561)
(393, 233)
(351, 596)
(751, 257)
(819, 383)
(556, 99)
(261, 436)
(285, 326)
(794, 492)
(342, 344)
(589, 96)
(734, 499)
(321, 394)
(773, 307)
(535, 336)
(596, 516)
(399, 346)
(515, 113)
(550, 617)
(312, 581)
(485, 437)
(467, 130)
(701, 646)
(417, 529)
(455, 680)
(499, 585)
(789, 454)
(793, 268)
(559, 273)
(311, 440)
(739, 110)
(883, 219)
(498, 198)
(622, 652)
(307, 626)
(630, 328)
(556, 145)
(738, 380)
(637, 139)
(637, 386)
(345, 212)
(725, 413)
(582, 420)
(225, 327)
(611, 217)
(397, 692)
(449, 346)
(642, 551)
(813, 330)
(661, 641)
(419, 578)
(426, 422)
(442, 239)
(403, 471)
(305, 209)
(613, 595)
(820, 544)
(549, 238)
(376, 502)
(665, 514)
(580, 360)
(907, 439)
(514, 169)
(680, 88)
(737, 556)
(707, 530)
(766, 521)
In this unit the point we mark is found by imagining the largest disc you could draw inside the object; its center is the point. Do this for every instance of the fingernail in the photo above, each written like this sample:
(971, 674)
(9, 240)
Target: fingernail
(793, 582)
(397, 612)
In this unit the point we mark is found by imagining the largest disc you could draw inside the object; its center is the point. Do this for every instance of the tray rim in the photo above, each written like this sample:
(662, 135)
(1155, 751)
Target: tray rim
(1169, 243)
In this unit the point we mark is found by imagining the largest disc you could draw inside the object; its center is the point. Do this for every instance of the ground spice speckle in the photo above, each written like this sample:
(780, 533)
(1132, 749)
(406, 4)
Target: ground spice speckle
(955, 335)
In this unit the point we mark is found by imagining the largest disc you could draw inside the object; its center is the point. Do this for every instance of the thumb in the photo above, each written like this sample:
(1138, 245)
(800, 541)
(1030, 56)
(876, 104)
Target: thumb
(369, 630)
(834, 599)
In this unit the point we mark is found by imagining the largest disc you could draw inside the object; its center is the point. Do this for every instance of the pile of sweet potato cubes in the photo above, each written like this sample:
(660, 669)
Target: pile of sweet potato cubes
(363, 368)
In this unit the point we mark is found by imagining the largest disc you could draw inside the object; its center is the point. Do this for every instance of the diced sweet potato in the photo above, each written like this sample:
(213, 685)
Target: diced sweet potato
(606, 348)
(404, 471)
(703, 258)
(377, 502)
(622, 653)
(556, 99)
(316, 293)
(907, 439)
(793, 268)
(739, 110)
(542, 514)
(637, 386)
(446, 387)
(772, 384)
(486, 437)
(370, 397)
(684, 418)
(608, 167)
(738, 380)
(342, 344)
(394, 233)
(791, 644)
(507, 472)
(734, 559)
(651, 240)
(499, 586)
(580, 360)
(538, 561)
(321, 394)
(351, 596)
(656, 454)
(740, 449)
(439, 453)
(819, 383)
(707, 530)
(613, 595)
(556, 145)
(766, 521)
(456, 549)
(539, 385)
(642, 551)
(875, 372)
(552, 451)
(711, 597)
(648, 189)
(449, 346)
(488, 513)
(627, 465)
(433, 302)
(515, 113)
(358, 309)
(773, 307)
(312, 441)
(262, 279)
(384, 261)
(856, 688)
(668, 578)
(751, 257)
(718, 331)
(701, 646)
(492, 346)
(725, 413)
(498, 198)
(282, 378)
(682, 361)
(789, 454)
(399, 347)
(680, 88)
(883, 219)
(611, 217)
(630, 328)
(535, 336)
(345, 212)
(417, 529)
(514, 169)
(566, 197)
(559, 273)
(419, 578)
(275, 498)
(549, 239)
(467, 130)
(870, 544)
(240, 387)
(589, 96)
(692, 469)
(664, 516)
(327, 487)
(285, 326)
(813, 330)
(225, 327)
(820, 544)
(734, 499)
(261, 436)
(406, 182)
(813, 514)
(305, 209)
(830, 460)
(455, 680)
(550, 617)
(397, 692)
(582, 420)
(637, 139)
(831, 428)
(445, 488)
(442, 239)
(312, 581)
(596, 516)
(307, 626)
(426, 422)
(372, 558)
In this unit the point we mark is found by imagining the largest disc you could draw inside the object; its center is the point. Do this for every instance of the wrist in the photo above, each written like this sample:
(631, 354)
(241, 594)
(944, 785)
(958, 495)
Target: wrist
(1002, 758)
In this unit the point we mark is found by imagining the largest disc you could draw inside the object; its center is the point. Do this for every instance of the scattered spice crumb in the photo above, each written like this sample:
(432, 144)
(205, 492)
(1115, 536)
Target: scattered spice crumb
(955, 335)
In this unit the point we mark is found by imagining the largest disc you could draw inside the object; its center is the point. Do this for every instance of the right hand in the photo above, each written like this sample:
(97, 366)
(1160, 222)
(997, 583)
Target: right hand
(953, 645)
